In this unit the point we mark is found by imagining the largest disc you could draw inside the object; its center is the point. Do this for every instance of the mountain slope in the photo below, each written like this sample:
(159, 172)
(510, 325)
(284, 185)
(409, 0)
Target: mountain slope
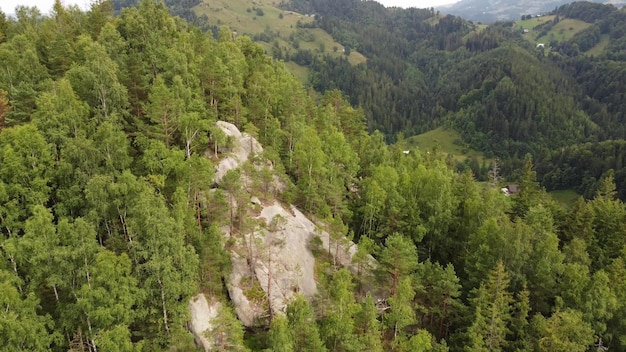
(507, 10)
(506, 95)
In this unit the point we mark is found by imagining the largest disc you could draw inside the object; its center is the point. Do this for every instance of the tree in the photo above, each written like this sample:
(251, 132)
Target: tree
(398, 259)
(231, 182)
(22, 75)
(564, 331)
(311, 170)
(401, 313)
(227, 331)
(96, 80)
(167, 268)
(4, 26)
(492, 304)
(22, 328)
(367, 326)
(164, 110)
(440, 296)
(608, 224)
(25, 166)
(338, 330)
(5, 108)
(280, 338)
(529, 189)
(105, 302)
(422, 341)
(302, 325)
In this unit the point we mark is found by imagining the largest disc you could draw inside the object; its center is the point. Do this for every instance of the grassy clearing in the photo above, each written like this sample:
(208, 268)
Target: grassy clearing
(564, 30)
(244, 17)
(446, 141)
(299, 71)
(600, 47)
(565, 197)
(533, 22)
(241, 16)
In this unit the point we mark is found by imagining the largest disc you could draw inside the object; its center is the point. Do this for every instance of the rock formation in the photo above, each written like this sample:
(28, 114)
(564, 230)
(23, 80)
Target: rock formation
(272, 260)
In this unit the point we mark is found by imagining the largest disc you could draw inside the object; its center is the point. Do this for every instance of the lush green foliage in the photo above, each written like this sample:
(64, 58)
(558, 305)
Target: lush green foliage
(108, 223)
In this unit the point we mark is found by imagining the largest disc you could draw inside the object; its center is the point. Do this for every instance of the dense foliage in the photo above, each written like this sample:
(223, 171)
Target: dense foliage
(506, 97)
(108, 225)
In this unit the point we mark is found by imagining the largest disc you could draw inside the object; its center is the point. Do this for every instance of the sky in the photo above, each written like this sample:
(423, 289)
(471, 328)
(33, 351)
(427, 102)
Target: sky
(8, 6)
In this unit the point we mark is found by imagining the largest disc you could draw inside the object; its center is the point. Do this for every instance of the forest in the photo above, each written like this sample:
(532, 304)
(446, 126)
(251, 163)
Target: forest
(110, 221)
(490, 83)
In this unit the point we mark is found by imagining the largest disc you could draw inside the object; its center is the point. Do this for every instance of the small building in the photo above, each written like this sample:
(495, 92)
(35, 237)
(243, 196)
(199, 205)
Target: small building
(510, 190)
(541, 45)
(513, 189)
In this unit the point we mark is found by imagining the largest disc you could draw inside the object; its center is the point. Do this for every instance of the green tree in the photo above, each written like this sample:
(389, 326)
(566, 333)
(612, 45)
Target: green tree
(164, 111)
(609, 215)
(337, 328)
(168, 266)
(368, 328)
(311, 171)
(96, 79)
(401, 313)
(398, 259)
(4, 26)
(280, 338)
(25, 165)
(303, 327)
(227, 332)
(22, 327)
(440, 296)
(563, 331)
(529, 189)
(493, 306)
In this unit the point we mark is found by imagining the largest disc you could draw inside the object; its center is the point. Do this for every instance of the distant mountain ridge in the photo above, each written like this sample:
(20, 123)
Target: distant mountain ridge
(508, 10)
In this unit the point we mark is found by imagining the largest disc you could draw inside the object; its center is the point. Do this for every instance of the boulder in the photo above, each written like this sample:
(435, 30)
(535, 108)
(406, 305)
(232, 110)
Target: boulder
(243, 146)
(202, 313)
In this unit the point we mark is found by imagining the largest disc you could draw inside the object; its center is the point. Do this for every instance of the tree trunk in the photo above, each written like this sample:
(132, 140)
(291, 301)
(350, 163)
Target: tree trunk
(269, 281)
(167, 327)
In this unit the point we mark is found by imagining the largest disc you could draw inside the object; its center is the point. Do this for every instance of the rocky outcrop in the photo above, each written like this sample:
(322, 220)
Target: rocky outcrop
(243, 146)
(202, 314)
(272, 258)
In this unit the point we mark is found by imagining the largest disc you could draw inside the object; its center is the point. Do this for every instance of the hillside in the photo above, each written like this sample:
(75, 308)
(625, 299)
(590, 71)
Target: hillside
(274, 28)
(548, 29)
(489, 11)
(425, 69)
(164, 189)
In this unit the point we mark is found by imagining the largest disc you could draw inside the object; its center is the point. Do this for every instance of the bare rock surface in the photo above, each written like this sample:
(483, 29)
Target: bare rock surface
(202, 313)
(276, 255)
(243, 146)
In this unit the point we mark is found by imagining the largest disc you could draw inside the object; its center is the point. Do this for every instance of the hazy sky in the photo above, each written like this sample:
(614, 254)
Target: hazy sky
(8, 6)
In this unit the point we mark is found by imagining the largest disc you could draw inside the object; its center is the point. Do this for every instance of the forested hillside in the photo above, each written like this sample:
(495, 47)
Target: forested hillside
(110, 220)
(506, 95)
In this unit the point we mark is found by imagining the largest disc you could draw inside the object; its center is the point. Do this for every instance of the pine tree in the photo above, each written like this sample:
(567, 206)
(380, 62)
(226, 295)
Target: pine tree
(303, 326)
(492, 305)
(280, 337)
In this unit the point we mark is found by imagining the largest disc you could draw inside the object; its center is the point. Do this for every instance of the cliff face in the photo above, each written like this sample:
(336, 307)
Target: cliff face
(272, 256)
